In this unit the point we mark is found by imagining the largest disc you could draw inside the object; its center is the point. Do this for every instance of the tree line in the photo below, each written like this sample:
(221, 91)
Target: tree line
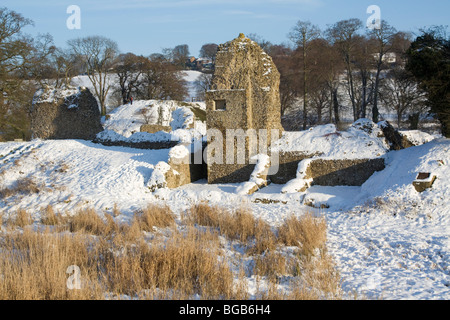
(326, 72)
(348, 68)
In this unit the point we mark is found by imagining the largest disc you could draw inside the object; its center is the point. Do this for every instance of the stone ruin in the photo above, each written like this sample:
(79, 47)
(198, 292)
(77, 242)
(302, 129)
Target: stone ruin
(70, 113)
(244, 95)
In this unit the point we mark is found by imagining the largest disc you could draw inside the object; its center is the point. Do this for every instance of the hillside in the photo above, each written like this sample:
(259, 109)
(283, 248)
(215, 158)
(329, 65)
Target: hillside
(388, 241)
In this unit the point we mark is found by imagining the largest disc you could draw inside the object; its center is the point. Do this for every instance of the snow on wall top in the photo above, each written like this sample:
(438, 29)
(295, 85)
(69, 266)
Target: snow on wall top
(125, 122)
(362, 140)
(52, 95)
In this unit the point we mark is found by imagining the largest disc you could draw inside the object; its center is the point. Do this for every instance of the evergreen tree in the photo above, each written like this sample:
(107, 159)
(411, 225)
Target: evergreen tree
(429, 62)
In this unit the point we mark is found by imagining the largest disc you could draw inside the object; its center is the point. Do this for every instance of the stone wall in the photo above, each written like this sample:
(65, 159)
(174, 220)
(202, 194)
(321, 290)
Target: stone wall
(288, 165)
(153, 128)
(184, 172)
(179, 170)
(345, 172)
(65, 114)
(152, 145)
(244, 95)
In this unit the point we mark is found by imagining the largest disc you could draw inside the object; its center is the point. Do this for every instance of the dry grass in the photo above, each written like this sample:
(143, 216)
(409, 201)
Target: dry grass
(34, 266)
(271, 264)
(179, 267)
(23, 186)
(154, 216)
(185, 262)
(204, 215)
(89, 221)
(297, 292)
(116, 212)
(320, 274)
(308, 233)
(239, 224)
(22, 218)
(50, 218)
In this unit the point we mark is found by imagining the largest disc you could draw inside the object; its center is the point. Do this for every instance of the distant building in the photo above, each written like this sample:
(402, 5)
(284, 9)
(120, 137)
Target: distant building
(389, 57)
(200, 64)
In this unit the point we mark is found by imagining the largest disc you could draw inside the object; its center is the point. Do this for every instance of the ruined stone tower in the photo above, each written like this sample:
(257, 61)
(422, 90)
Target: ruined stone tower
(244, 95)
(70, 113)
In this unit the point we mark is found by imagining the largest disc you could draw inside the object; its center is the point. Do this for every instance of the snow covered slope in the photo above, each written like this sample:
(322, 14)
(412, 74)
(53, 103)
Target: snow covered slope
(74, 173)
(388, 240)
(394, 242)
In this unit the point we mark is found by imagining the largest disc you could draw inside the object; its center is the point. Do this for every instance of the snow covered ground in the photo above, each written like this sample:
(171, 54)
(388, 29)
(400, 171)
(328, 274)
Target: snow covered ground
(388, 241)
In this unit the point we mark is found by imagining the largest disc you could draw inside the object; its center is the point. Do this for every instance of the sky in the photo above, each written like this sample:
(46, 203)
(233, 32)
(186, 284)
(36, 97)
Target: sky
(148, 26)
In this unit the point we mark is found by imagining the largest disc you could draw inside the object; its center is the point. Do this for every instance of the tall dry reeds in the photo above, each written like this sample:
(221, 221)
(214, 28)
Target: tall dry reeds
(308, 233)
(118, 260)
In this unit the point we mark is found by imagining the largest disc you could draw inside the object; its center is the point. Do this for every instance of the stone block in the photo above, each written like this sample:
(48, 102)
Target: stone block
(424, 181)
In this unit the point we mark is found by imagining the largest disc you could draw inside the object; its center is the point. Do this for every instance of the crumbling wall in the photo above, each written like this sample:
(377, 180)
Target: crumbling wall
(181, 168)
(244, 95)
(395, 139)
(71, 113)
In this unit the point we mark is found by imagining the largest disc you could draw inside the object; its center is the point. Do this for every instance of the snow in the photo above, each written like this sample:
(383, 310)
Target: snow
(387, 240)
(300, 181)
(327, 142)
(262, 163)
(417, 137)
(52, 95)
(179, 152)
(124, 123)
(96, 175)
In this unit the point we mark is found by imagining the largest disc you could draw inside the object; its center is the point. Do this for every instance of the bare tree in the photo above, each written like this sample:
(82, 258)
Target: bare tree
(98, 53)
(283, 58)
(326, 66)
(209, 51)
(382, 37)
(343, 34)
(129, 69)
(180, 55)
(66, 65)
(56, 70)
(203, 84)
(401, 42)
(363, 62)
(302, 35)
(161, 80)
(263, 43)
(18, 54)
(320, 101)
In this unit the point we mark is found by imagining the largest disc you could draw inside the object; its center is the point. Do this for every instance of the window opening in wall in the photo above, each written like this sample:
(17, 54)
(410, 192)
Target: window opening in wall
(220, 104)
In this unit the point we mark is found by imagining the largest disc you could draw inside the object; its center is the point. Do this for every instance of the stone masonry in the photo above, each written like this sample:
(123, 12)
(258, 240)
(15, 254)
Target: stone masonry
(71, 113)
(244, 95)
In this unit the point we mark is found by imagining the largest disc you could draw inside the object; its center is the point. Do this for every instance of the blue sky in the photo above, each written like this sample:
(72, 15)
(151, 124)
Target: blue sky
(148, 26)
